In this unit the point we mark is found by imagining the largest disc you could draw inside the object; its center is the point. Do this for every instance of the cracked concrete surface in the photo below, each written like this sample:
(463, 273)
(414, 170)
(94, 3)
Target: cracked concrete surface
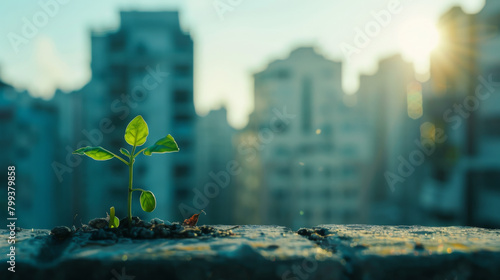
(264, 252)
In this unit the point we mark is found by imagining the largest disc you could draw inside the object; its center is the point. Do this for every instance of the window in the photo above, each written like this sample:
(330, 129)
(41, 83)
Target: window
(327, 194)
(283, 74)
(185, 144)
(183, 42)
(182, 70)
(440, 174)
(7, 113)
(282, 151)
(141, 170)
(115, 191)
(283, 171)
(116, 143)
(182, 170)
(307, 171)
(307, 105)
(350, 192)
(328, 171)
(182, 117)
(349, 171)
(279, 126)
(141, 49)
(307, 149)
(22, 153)
(117, 167)
(349, 151)
(182, 193)
(117, 42)
(486, 179)
(307, 194)
(182, 96)
(326, 147)
(491, 127)
(279, 194)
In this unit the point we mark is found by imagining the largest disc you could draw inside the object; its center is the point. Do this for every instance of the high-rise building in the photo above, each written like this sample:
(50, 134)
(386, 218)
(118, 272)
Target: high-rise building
(29, 134)
(307, 142)
(143, 68)
(215, 155)
(463, 185)
(391, 103)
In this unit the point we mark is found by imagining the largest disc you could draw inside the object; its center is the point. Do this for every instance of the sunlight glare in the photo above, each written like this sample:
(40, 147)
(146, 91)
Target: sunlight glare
(417, 39)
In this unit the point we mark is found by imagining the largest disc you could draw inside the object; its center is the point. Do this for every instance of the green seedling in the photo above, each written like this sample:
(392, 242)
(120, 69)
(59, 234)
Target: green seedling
(114, 222)
(135, 135)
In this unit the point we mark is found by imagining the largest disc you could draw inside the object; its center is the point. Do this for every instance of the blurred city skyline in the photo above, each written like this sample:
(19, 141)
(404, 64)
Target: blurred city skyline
(407, 148)
(58, 54)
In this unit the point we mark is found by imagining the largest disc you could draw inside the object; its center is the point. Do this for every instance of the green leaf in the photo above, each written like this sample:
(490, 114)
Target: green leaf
(136, 132)
(114, 222)
(125, 152)
(97, 153)
(148, 201)
(80, 151)
(164, 145)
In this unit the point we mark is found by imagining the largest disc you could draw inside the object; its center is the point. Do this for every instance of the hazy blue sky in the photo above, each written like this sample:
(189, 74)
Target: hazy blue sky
(227, 51)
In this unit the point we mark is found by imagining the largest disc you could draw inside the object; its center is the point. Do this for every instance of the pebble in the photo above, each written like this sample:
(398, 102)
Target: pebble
(305, 232)
(144, 224)
(156, 221)
(61, 232)
(99, 223)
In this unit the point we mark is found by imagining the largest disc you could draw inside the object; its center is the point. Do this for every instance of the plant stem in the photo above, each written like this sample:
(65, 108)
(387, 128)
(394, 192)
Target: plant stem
(130, 181)
(140, 152)
(121, 159)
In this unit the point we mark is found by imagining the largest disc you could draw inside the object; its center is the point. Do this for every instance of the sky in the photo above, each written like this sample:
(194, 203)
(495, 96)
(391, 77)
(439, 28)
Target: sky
(234, 39)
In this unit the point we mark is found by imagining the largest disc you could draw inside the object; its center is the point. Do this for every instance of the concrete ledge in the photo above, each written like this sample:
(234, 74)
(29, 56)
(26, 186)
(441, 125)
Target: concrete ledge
(264, 252)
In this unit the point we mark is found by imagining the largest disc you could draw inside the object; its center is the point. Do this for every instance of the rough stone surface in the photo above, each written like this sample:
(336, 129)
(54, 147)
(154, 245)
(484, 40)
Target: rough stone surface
(261, 252)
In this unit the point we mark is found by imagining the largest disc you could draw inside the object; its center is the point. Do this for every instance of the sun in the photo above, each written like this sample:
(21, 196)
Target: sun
(417, 38)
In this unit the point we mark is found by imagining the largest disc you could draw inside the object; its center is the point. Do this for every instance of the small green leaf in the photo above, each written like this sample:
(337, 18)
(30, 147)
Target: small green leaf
(148, 201)
(164, 145)
(114, 222)
(125, 152)
(136, 132)
(80, 151)
(97, 153)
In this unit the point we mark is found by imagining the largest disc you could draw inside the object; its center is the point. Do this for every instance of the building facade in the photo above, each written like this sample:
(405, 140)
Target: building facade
(214, 156)
(29, 136)
(462, 186)
(307, 143)
(391, 105)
